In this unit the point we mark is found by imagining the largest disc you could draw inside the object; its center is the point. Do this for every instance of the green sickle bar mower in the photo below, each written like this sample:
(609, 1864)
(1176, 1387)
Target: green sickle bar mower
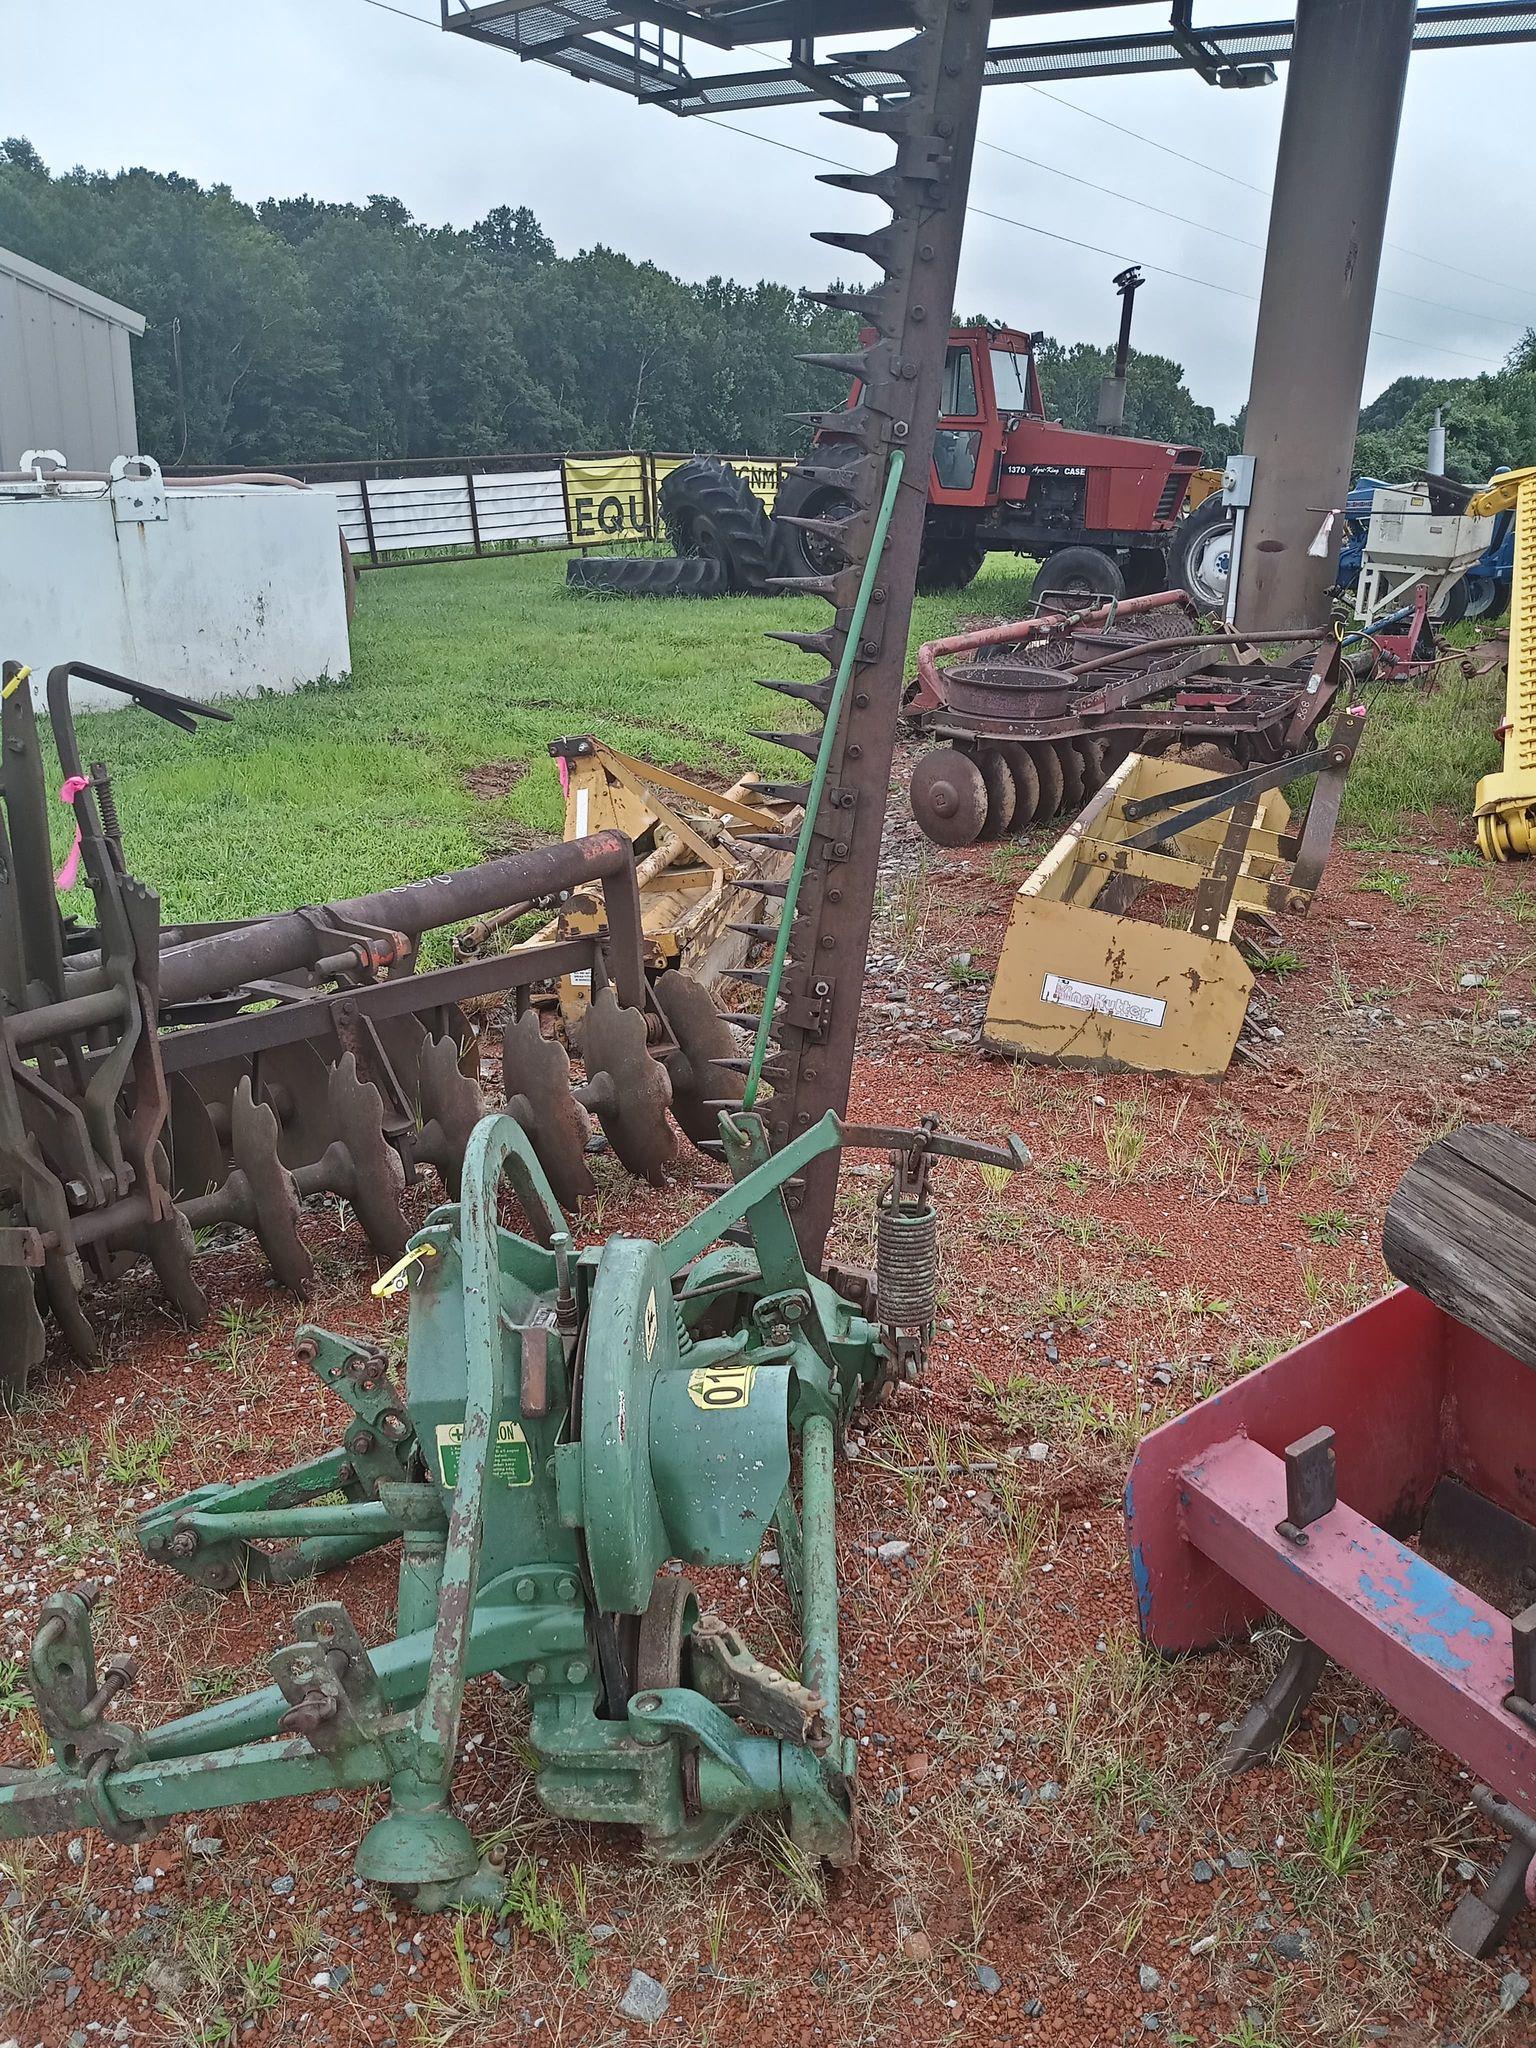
(569, 1423)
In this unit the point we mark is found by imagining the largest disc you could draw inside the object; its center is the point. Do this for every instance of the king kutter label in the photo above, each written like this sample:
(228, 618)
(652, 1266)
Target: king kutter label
(511, 1459)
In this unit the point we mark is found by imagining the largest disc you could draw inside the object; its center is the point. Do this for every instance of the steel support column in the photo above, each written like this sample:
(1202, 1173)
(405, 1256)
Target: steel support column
(1343, 102)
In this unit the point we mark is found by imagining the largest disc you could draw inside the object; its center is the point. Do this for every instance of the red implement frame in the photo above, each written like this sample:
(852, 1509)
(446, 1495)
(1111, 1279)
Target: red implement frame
(1412, 1397)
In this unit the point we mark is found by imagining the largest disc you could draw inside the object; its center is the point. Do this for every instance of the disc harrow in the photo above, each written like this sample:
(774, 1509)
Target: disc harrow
(161, 1082)
(1045, 710)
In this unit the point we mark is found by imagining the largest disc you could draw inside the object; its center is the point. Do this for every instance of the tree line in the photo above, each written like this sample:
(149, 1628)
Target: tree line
(306, 330)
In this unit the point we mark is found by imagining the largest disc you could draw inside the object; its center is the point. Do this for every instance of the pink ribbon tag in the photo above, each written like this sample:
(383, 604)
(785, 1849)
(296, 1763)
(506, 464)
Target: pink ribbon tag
(69, 789)
(565, 775)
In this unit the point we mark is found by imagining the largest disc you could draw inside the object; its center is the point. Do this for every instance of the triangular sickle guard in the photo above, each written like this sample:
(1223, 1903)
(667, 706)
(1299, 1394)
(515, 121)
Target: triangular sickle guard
(784, 842)
(877, 184)
(872, 307)
(840, 591)
(744, 1020)
(851, 536)
(894, 121)
(850, 422)
(732, 1065)
(755, 931)
(757, 976)
(856, 366)
(828, 645)
(783, 793)
(882, 246)
(838, 469)
(819, 694)
(807, 743)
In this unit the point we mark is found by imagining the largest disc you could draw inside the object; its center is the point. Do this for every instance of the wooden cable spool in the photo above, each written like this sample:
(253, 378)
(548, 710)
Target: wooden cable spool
(1461, 1230)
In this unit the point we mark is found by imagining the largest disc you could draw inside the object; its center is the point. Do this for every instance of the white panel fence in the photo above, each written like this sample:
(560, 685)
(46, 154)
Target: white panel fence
(563, 501)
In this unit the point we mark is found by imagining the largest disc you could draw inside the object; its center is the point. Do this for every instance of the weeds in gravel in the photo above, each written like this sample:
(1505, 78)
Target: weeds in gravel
(21, 1963)
(1124, 1142)
(136, 1461)
(1225, 1149)
(1329, 1226)
(1386, 882)
(1347, 1796)
(15, 1695)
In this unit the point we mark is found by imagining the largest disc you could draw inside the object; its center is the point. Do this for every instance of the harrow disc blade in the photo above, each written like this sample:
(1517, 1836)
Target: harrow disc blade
(536, 1079)
(703, 1040)
(451, 1105)
(23, 1338)
(272, 1200)
(1026, 783)
(365, 1167)
(294, 1081)
(198, 1161)
(949, 797)
(629, 1091)
(62, 1281)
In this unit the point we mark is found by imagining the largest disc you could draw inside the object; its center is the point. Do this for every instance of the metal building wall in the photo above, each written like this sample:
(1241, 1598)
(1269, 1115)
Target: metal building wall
(66, 381)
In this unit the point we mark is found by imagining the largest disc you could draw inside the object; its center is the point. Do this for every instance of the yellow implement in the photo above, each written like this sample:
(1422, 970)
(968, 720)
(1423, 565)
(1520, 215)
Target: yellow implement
(1506, 802)
(703, 875)
(1083, 982)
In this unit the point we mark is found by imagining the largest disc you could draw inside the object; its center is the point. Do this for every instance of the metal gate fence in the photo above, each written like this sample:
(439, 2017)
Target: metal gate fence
(505, 504)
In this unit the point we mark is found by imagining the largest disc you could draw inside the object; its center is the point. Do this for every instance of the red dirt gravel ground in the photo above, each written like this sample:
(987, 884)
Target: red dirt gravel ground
(1047, 1855)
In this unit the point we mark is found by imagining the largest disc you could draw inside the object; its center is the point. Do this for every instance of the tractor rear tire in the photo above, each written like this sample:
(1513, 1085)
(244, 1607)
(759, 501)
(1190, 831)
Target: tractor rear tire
(1080, 575)
(1487, 597)
(646, 576)
(796, 552)
(712, 514)
(949, 564)
(1200, 559)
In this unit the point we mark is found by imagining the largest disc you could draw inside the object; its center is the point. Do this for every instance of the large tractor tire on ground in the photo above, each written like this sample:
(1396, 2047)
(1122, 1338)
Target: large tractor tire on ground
(950, 562)
(1200, 559)
(647, 575)
(1079, 575)
(713, 515)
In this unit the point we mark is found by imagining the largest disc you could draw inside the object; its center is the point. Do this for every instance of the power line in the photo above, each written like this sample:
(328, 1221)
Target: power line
(1225, 235)
(1076, 241)
(1264, 192)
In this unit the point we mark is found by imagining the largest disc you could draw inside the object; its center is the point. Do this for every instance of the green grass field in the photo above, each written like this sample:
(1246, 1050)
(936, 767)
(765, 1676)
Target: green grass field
(348, 787)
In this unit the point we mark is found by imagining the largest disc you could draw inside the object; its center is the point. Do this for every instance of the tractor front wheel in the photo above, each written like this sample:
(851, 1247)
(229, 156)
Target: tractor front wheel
(948, 562)
(1079, 575)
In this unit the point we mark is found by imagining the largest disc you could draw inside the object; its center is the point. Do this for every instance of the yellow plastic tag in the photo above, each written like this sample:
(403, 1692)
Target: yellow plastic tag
(721, 1386)
(398, 1278)
(14, 684)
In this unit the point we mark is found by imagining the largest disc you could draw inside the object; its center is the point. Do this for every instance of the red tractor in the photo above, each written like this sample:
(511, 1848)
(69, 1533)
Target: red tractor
(1098, 511)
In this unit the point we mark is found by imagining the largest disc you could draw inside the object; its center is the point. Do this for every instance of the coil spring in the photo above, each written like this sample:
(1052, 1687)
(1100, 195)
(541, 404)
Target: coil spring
(907, 1265)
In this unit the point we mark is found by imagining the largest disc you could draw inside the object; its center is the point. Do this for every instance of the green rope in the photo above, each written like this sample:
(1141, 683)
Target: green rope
(820, 772)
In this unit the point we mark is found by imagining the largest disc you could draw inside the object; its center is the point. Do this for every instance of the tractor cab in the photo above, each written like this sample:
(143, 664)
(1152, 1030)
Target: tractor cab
(991, 385)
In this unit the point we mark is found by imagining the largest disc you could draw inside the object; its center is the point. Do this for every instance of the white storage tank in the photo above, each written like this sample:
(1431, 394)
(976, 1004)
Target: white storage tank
(216, 587)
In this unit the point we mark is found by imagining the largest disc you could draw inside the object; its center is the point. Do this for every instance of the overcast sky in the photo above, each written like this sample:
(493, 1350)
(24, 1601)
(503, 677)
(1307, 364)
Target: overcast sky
(341, 98)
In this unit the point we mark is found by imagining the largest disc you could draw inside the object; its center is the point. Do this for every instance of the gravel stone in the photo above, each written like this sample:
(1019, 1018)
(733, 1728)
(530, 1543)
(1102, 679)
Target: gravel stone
(1202, 1872)
(1149, 1979)
(283, 1886)
(988, 1980)
(1513, 1986)
(645, 2000)
(1291, 1945)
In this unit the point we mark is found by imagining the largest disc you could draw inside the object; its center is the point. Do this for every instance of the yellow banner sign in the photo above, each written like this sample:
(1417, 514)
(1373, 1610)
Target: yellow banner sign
(608, 498)
(763, 473)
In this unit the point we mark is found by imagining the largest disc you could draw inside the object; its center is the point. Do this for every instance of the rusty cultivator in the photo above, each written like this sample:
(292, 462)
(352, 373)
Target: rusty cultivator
(162, 1081)
(1034, 716)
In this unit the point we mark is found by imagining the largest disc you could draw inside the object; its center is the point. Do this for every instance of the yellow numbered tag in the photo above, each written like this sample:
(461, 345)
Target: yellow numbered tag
(398, 1278)
(15, 683)
(721, 1386)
